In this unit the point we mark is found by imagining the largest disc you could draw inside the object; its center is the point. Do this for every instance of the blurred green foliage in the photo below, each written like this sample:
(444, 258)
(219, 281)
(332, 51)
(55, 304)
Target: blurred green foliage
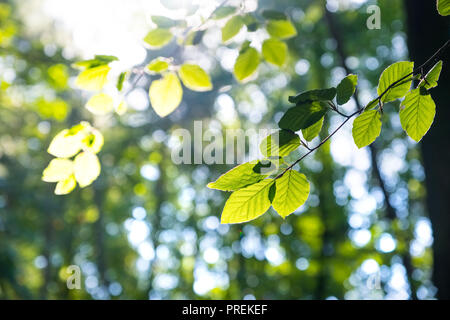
(148, 228)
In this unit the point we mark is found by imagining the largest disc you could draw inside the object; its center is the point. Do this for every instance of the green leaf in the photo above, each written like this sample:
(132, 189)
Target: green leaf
(223, 12)
(346, 88)
(246, 63)
(443, 7)
(86, 168)
(65, 144)
(100, 104)
(312, 131)
(237, 178)
(282, 29)
(292, 190)
(158, 38)
(303, 115)
(57, 170)
(279, 144)
(248, 203)
(121, 80)
(93, 79)
(66, 186)
(232, 28)
(392, 74)
(158, 65)
(164, 22)
(366, 128)
(166, 94)
(194, 38)
(417, 113)
(195, 78)
(432, 77)
(93, 141)
(99, 60)
(314, 95)
(274, 15)
(274, 51)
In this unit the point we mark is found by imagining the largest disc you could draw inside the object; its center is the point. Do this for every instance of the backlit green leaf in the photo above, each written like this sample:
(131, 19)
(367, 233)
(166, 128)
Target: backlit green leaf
(246, 63)
(280, 143)
(93, 79)
(232, 28)
(248, 203)
(65, 144)
(57, 170)
(158, 65)
(366, 128)
(346, 88)
(223, 12)
(432, 77)
(86, 168)
(312, 131)
(292, 190)
(158, 38)
(195, 78)
(314, 95)
(303, 115)
(392, 74)
(274, 51)
(66, 186)
(121, 80)
(166, 94)
(100, 104)
(282, 29)
(443, 7)
(237, 178)
(417, 113)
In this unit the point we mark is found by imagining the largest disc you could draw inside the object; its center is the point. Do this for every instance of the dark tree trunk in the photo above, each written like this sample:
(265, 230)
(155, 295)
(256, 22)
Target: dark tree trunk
(427, 31)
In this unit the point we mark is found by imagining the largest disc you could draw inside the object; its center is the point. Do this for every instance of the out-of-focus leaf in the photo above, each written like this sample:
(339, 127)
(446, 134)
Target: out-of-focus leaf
(274, 51)
(86, 168)
(166, 94)
(195, 78)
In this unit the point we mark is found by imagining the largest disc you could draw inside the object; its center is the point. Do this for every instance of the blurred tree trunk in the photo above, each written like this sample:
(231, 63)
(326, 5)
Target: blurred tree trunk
(427, 31)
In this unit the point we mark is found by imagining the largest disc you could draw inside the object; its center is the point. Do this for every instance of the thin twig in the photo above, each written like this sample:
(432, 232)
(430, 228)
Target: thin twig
(348, 117)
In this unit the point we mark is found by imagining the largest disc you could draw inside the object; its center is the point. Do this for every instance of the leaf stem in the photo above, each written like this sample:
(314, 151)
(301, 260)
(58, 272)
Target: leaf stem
(360, 110)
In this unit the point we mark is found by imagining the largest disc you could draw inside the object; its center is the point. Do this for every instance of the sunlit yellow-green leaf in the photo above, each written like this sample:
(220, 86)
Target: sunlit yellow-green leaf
(195, 78)
(432, 77)
(279, 144)
(282, 29)
(86, 168)
(93, 79)
(274, 51)
(58, 169)
(65, 144)
(100, 104)
(93, 141)
(443, 7)
(292, 190)
(417, 113)
(312, 131)
(246, 63)
(232, 28)
(66, 186)
(237, 178)
(158, 38)
(121, 108)
(366, 128)
(248, 203)
(392, 74)
(158, 65)
(166, 94)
